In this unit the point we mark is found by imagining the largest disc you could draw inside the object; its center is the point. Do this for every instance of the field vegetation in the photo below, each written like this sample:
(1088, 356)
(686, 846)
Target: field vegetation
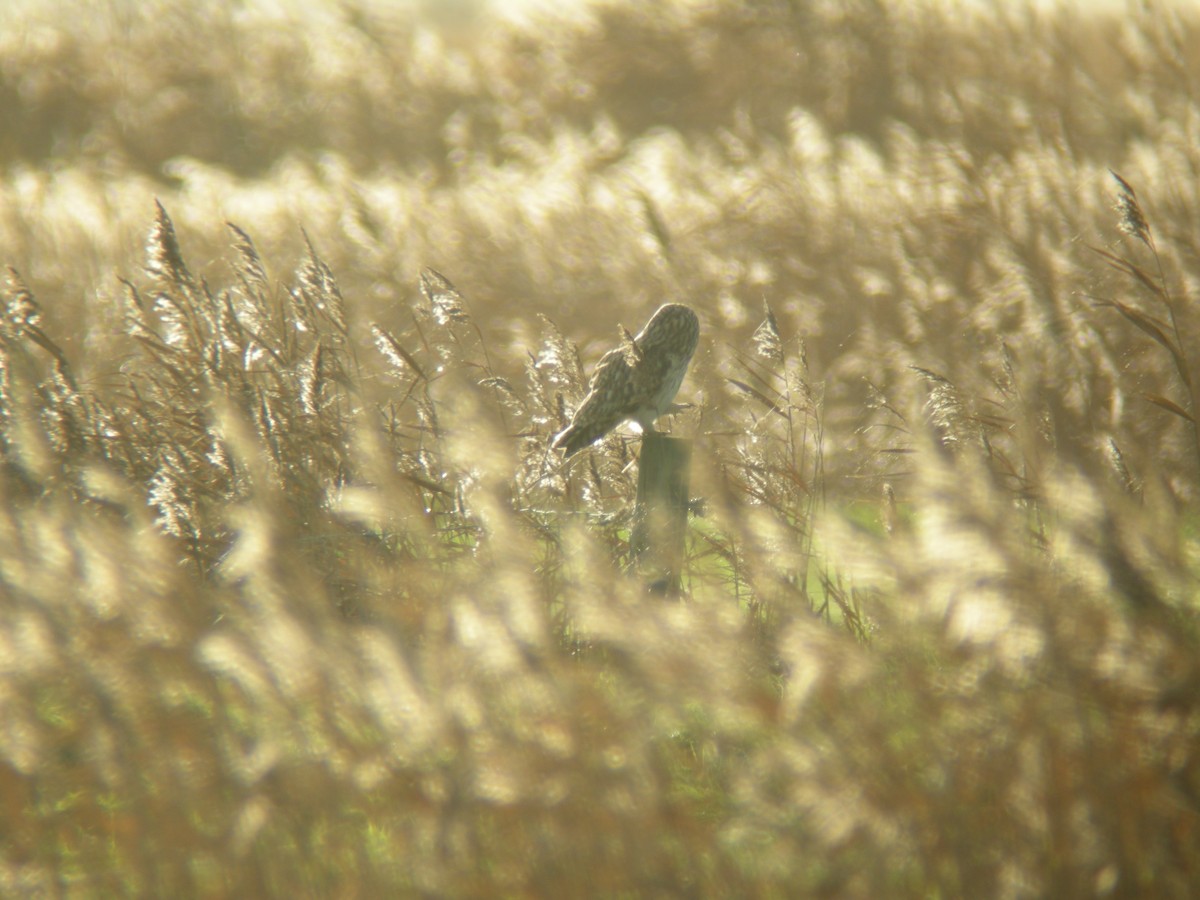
(295, 601)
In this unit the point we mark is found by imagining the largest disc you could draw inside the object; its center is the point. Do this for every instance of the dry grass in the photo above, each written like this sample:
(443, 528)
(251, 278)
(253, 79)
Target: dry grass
(296, 602)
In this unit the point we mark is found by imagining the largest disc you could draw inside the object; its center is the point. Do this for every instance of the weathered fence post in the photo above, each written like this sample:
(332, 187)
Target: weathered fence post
(660, 516)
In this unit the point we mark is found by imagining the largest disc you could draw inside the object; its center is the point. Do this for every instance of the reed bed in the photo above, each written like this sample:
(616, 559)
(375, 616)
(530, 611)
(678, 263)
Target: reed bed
(298, 601)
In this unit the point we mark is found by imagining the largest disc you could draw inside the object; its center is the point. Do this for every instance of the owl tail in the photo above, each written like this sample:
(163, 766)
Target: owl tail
(575, 437)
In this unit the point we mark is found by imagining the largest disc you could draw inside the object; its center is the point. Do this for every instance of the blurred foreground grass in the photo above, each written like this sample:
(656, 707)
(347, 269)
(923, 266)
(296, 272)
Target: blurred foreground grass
(296, 602)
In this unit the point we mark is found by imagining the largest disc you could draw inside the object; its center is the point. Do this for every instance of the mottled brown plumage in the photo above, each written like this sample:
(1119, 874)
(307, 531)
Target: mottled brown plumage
(636, 381)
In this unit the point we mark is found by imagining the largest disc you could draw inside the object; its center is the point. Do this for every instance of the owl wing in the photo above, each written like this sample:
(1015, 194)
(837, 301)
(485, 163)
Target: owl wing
(604, 407)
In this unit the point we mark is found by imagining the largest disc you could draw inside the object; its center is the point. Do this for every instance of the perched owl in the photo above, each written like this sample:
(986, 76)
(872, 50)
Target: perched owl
(637, 381)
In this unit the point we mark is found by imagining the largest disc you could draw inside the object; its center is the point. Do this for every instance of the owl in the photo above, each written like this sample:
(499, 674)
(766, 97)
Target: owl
(636, 381)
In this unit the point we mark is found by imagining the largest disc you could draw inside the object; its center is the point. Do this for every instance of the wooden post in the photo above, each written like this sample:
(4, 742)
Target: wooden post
(660, 517)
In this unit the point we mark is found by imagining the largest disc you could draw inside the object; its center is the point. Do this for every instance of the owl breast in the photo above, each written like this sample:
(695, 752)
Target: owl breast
(664, 387)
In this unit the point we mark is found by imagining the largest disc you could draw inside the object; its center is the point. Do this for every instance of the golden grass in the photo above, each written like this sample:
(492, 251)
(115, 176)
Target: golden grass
(296, 601)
